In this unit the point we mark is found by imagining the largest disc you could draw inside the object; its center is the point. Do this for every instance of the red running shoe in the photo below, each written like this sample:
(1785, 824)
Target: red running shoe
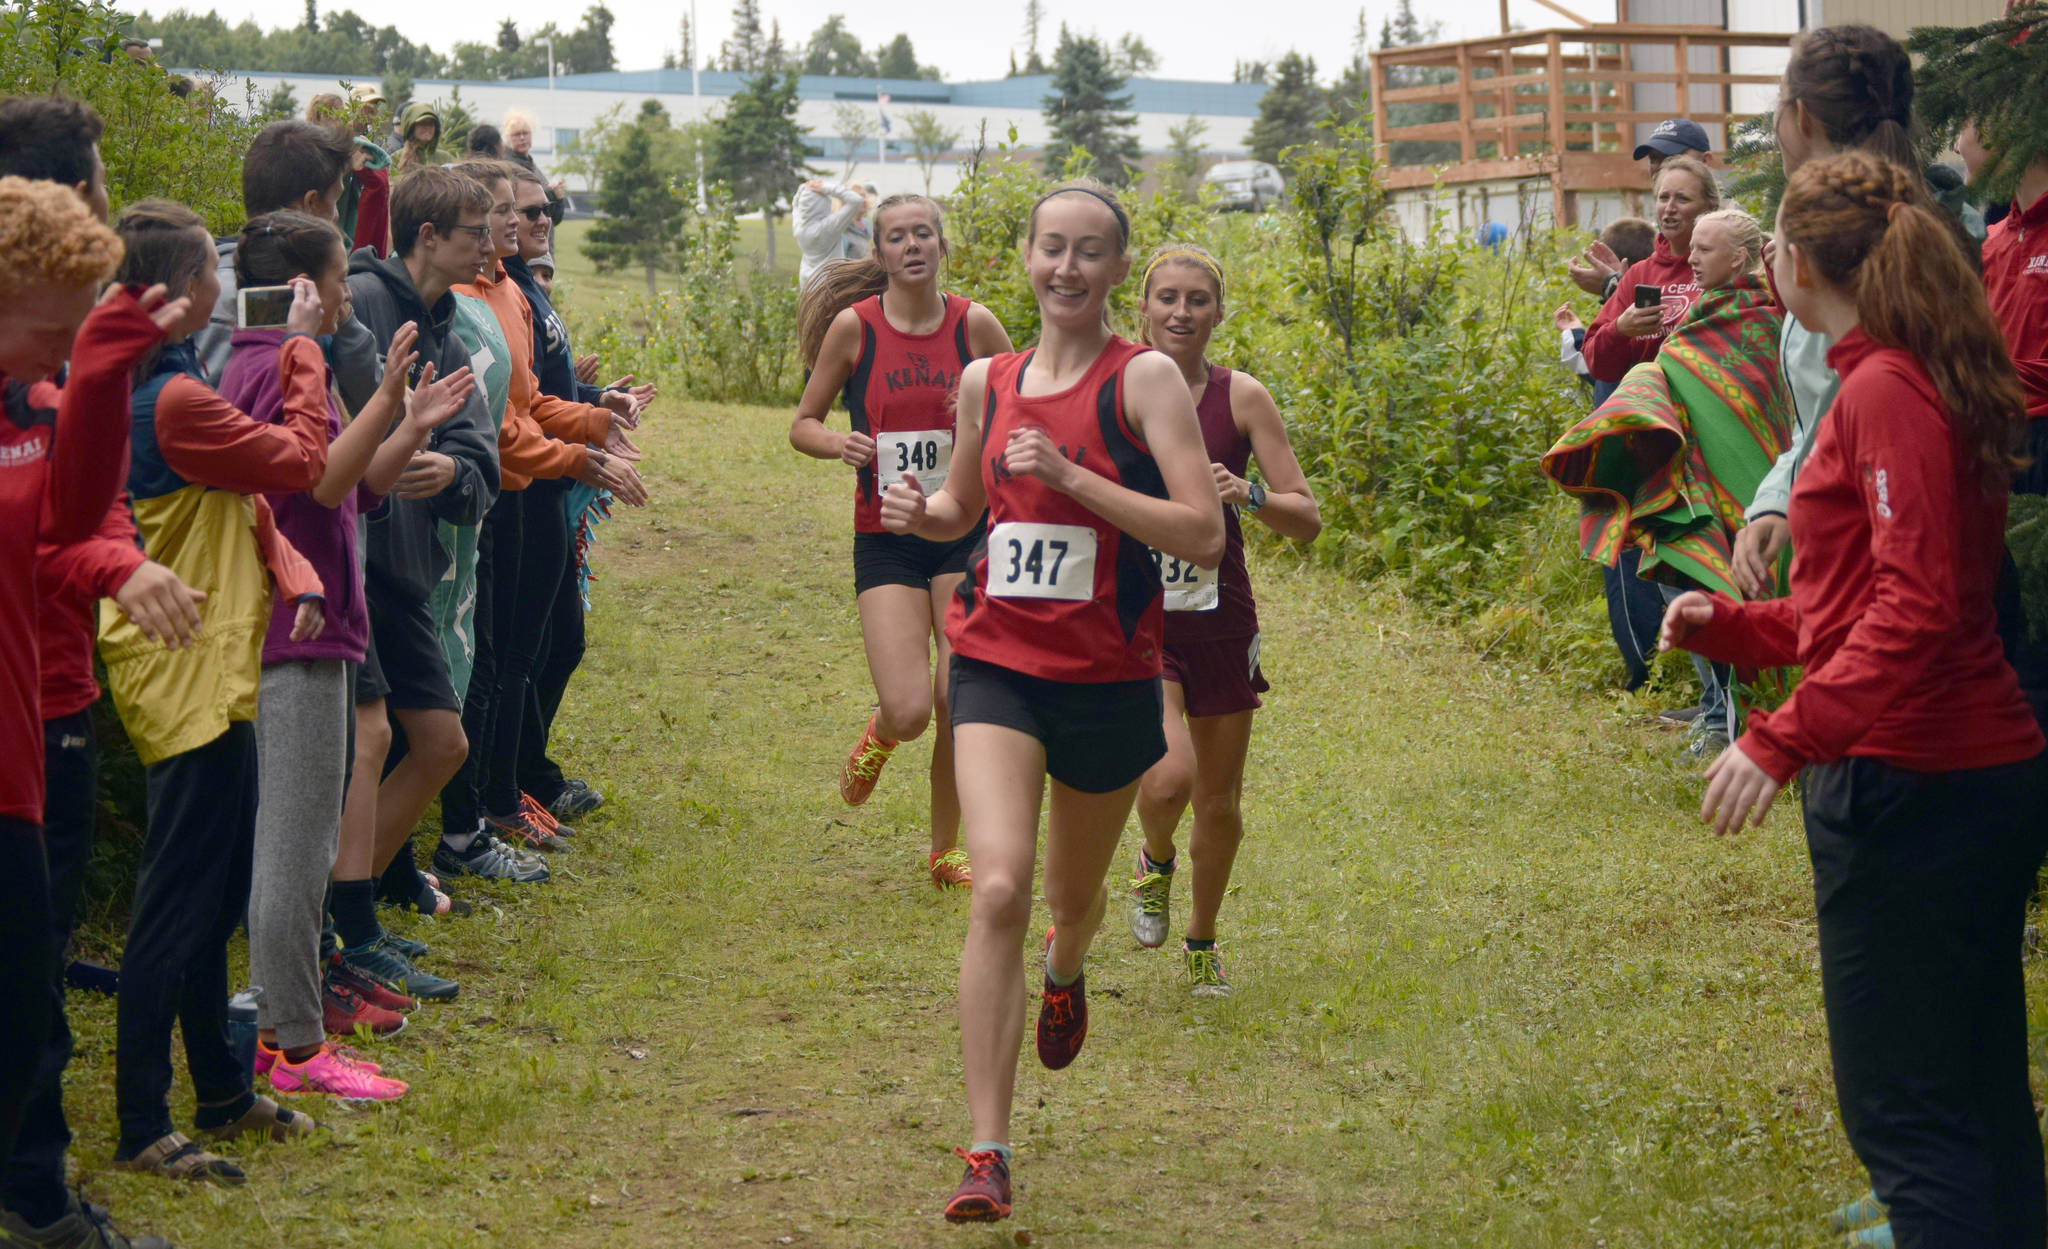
(857, 776)
(1062, 1017)
(342, 1009)
(375, 994)
(984, 1192)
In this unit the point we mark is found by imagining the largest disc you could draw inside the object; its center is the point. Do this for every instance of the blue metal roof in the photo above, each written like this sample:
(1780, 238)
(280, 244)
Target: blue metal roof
(1148, 95)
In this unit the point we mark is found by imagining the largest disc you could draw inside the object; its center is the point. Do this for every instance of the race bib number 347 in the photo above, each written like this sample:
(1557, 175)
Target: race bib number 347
(924, 454)
(1030, 560)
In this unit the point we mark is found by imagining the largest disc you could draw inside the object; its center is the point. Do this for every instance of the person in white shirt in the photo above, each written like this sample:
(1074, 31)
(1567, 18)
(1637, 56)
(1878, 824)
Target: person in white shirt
(822, 218)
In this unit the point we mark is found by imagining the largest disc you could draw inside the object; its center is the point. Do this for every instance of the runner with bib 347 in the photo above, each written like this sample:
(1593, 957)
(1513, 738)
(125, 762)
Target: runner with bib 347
(879, 332)
(1212, 678)
(1087, 454)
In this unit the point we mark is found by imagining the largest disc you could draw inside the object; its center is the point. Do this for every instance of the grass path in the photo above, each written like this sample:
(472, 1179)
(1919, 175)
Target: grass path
(1495, 984)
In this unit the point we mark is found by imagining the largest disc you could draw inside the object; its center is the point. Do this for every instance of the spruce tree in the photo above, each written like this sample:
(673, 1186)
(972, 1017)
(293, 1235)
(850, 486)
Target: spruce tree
(640, 210)
(741, 54)
(896, 59)
(1086, 109)
(1991, 76)
(759, 148)
(1289, 110)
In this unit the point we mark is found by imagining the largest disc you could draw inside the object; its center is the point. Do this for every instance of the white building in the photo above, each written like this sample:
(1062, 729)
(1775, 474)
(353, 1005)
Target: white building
(563, 109)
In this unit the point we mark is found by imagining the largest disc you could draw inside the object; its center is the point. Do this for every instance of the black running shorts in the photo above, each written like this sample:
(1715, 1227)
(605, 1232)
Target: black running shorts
(906, 559)
(1098, 737)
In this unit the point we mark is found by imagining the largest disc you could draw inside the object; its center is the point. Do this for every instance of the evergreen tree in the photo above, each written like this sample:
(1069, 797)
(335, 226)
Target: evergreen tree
(1135, 56)
(896, 59)
(1347, 93)
(641, 210)
(508, 36)
(1402, 30)
(775, 57)
(742, 53)
(1248, 71)
(833, 51)
(759, 149)
(1990, 76)
(280, 104)
(312, 23)
(1086, 109)
(687, 58)
(1034, 20)
(588, 48)
(1289, 110)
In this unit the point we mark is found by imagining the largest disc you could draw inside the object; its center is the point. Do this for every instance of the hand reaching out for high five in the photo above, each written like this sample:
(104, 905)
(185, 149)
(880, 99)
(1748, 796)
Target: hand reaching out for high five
(435, 399)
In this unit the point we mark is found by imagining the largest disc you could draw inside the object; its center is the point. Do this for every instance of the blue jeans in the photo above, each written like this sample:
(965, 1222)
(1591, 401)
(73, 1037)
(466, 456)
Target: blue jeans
(1718, 712)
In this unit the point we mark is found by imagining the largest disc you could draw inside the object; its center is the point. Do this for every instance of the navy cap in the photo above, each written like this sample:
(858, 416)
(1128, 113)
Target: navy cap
(1675, 137)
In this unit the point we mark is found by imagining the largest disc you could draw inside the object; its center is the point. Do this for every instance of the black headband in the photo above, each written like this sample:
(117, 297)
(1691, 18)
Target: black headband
(1123, 223)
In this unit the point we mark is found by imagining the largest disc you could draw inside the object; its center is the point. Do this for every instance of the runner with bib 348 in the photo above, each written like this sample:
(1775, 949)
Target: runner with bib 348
(880, 333)
(1087, 454)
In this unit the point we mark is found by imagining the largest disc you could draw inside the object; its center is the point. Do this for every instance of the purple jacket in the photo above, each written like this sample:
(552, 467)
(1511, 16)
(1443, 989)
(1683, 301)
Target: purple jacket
(326, 536)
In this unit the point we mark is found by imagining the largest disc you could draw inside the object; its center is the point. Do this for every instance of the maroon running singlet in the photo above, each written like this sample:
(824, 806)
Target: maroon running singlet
(1209, 605)
(1055, 591)
(901, 394)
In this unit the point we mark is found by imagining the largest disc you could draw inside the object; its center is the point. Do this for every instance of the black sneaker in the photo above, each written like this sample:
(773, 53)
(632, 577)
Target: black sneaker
(414, 950)
(385, 965)
(84, 1226)
(576, 799)
(488, 859)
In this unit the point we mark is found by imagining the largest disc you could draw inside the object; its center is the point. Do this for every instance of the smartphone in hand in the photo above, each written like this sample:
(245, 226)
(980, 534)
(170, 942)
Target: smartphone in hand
(1648, 296)
(262, 307)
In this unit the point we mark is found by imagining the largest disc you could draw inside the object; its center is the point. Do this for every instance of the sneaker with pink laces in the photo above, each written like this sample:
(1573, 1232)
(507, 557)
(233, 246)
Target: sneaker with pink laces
(332, 1073)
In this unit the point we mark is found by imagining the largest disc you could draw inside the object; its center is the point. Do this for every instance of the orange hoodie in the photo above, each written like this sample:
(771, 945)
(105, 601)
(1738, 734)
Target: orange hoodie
(543, 436)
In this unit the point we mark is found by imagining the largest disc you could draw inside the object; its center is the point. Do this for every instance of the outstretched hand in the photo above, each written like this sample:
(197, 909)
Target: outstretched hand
(400, 357)
(1688, 614)
(435, 399)
(1590, 271)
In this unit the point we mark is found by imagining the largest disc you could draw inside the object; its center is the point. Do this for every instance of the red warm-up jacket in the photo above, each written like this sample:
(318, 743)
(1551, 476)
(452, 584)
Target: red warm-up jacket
(1609, 353)
(1896, 550)
(71, 580)
(2016, 283)
(62, 459)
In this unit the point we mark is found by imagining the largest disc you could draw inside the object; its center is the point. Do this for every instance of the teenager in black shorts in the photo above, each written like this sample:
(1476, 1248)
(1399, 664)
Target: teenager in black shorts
(879, 333)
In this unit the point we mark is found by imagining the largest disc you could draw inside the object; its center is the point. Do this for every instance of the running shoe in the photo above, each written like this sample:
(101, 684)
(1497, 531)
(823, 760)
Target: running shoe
(576, 799)
(864, 766)
(84, 1226)
(519, 830)
(1062, 1017)
(949, 869)
(542, 818)
(267, 1056)
(343, 1010)
(1678, 717)
(1204, 970)
(984, 1192)
(331, 1073)
(488, 859)
(1151, 893)
(1876, 1237)
(414, 950)
(375, 994)
(396, 972)
(1865, 1211)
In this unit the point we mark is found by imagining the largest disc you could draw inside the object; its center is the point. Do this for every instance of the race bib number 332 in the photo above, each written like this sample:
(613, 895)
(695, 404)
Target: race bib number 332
(924, 454)
(1030, 560)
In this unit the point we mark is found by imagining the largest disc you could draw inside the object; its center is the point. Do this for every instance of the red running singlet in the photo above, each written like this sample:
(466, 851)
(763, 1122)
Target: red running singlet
(1201, 605)
(900, 393)
(1055, 591)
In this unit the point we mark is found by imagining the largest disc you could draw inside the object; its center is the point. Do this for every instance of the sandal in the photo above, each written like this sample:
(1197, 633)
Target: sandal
(175, 1157)
(268, 1117)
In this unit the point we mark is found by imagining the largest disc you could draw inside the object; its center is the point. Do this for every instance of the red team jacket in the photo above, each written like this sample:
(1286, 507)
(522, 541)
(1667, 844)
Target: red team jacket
(1896, 555)
(2016, 282)
(1609, 353)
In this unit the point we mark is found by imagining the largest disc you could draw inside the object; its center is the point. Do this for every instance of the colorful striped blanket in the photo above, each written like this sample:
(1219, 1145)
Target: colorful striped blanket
(1674, 456)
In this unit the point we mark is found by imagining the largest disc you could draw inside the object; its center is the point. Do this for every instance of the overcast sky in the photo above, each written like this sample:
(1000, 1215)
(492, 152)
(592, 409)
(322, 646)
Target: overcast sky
(1199, 40)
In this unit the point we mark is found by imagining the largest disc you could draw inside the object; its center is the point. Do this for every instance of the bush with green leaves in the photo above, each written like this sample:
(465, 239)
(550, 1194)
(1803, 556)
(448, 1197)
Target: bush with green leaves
(182, 147)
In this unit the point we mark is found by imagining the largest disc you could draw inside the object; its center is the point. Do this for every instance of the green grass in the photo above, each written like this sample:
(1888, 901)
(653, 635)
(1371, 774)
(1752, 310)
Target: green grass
(588, 290)
(1496, 986)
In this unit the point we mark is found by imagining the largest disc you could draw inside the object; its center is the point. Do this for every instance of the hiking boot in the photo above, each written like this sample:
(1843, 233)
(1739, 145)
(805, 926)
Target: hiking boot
(487, 859)
(369, 990)
(984, 1192)
(1204, 969)
(863, 767)
(576, 799)
(1151, 896)
(520, 830)
(331, 1073)
(84, 1226)
(1062, 1017)
(949, 870)
(385, 965)
(343, 1010)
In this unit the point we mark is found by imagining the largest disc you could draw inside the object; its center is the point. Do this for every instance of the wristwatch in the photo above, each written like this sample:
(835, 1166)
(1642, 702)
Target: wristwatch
(1613, 284)
(1257, 497)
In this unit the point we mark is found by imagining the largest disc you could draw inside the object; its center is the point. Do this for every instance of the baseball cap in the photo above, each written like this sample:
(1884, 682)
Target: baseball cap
(1675, 137)
(546, 260)
(366, 93)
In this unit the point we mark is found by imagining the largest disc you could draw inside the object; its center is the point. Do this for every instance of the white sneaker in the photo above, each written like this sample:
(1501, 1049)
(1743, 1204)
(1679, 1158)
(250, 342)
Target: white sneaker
(1149, 905)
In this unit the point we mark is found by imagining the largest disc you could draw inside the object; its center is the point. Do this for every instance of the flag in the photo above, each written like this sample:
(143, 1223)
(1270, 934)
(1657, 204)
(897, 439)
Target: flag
(882, 109)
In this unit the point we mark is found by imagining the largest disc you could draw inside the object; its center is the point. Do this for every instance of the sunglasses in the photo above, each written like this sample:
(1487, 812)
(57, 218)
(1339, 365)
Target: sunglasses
(480, 233)
(534, 212)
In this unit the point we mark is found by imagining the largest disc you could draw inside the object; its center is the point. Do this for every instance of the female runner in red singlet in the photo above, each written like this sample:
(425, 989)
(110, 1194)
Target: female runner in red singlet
(1212, 678)
(1086, 452)
(880, 333)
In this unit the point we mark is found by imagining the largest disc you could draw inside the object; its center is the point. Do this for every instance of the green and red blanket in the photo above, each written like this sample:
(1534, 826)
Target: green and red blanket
(1674, 456)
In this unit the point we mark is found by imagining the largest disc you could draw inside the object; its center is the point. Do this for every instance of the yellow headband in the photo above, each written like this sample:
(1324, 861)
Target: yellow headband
(1182, 253)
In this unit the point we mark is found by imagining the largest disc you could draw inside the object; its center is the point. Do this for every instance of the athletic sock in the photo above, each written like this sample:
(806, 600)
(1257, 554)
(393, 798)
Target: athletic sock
(1199, 943)
(1061, 982)
(979, 1147)
(207, 1118)
(355, 912)
(459, 842)
(1164, 869)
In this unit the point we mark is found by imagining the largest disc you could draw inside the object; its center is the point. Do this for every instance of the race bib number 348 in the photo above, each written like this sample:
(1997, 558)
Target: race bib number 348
(924, 454)
(1030, 560)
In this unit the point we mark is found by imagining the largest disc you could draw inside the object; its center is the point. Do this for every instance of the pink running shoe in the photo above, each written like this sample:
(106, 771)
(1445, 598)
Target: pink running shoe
(267, 1056)
(331, 1073)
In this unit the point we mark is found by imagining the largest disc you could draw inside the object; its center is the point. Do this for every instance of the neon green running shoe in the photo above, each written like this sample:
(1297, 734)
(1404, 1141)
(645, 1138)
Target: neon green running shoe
(1204, 971)
(1151, 894)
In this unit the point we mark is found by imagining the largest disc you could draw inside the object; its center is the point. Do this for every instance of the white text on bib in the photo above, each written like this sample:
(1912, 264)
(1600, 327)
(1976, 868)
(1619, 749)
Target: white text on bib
(1030, 560)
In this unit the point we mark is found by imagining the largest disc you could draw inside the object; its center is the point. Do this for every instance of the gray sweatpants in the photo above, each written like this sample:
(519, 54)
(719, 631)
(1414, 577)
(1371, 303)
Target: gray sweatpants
(302, 736)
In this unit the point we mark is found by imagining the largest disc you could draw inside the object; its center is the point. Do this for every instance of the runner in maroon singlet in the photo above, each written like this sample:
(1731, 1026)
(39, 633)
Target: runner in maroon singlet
(1212, 678)
(1087, 454)
(879, 333)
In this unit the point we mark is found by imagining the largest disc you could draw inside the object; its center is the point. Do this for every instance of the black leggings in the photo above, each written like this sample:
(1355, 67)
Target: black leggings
(1920, 882)
(561, 653)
